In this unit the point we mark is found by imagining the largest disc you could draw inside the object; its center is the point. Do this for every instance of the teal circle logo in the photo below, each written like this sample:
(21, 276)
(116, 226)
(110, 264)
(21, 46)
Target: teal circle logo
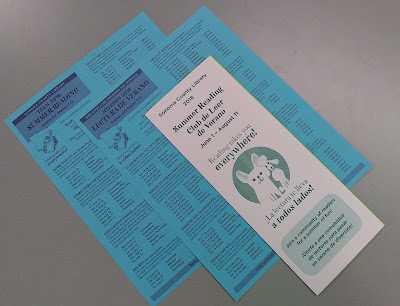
(261, 174)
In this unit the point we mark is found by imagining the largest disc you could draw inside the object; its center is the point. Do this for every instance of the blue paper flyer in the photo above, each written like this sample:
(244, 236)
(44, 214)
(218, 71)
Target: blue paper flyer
(142, 244)
(225, 244)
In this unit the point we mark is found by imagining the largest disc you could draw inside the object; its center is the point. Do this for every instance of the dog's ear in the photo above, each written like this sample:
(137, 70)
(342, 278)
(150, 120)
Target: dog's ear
(243, 177)
(262, 161)
(254, 159)
(274, 161)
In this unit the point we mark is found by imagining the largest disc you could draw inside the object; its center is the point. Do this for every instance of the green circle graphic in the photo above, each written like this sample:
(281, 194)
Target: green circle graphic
(243, 163)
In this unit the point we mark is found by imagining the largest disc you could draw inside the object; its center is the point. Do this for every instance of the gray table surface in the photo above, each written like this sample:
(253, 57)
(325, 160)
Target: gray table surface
(341, 56)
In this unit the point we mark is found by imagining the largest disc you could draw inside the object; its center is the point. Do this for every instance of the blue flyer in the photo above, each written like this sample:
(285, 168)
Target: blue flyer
(151, 255)
(225, 244)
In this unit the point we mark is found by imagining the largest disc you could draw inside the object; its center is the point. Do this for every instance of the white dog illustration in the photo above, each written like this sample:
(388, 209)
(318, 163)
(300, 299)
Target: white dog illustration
(276, 173)
(259, 180)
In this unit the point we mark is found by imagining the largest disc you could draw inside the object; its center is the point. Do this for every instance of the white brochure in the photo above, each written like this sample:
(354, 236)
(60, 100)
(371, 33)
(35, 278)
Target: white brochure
(314, 223)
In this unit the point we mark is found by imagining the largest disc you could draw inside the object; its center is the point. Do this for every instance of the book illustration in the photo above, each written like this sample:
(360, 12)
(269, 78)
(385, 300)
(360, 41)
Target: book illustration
(49, 143)
(120, 139)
